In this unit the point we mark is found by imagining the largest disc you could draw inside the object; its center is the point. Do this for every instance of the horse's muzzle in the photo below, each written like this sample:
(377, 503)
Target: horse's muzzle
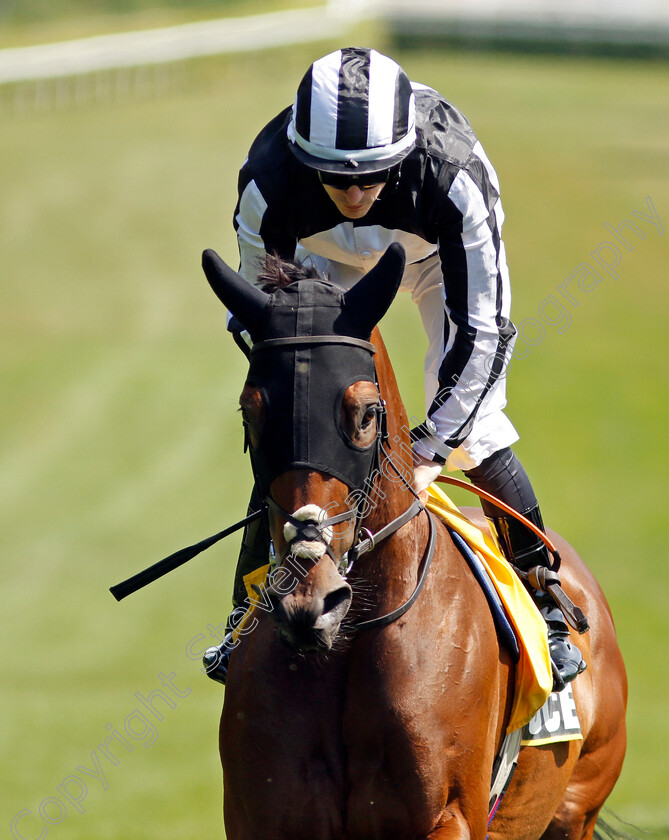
(309, 617)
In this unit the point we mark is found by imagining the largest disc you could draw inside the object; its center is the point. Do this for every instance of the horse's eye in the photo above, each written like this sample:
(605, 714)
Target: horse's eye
(369, 416)
(251, 408)
(358, 412)
(246, 423)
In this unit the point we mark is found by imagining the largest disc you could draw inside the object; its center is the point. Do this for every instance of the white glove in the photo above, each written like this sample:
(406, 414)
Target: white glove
(425, 473)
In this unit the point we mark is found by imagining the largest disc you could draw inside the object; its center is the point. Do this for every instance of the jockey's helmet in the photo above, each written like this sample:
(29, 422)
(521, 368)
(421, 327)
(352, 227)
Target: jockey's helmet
(354, 113)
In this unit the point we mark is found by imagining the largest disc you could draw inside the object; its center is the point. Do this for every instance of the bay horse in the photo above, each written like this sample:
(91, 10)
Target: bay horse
(339, 724)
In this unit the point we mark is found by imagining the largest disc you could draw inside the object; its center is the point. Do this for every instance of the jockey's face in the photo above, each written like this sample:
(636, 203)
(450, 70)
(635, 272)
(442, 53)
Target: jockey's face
(355, 201)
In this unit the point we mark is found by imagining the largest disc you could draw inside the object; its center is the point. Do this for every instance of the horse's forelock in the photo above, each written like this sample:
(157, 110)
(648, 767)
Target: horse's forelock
(276, 273)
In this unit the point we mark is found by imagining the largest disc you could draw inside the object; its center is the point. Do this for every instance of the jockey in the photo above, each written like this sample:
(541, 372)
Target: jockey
(364, 158)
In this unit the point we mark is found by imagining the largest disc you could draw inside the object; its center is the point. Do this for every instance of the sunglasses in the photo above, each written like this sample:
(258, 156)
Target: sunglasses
(343, 182)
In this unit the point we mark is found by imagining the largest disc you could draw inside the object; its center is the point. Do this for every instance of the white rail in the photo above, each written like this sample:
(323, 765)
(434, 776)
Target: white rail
(642, 21)
(161, 46)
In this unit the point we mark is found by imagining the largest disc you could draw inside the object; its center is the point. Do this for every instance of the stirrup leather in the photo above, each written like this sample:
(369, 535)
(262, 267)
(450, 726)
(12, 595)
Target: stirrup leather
(531, 560)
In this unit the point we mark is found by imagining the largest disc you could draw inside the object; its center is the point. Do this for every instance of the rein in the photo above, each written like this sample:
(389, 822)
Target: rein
(538, 577)
(483, 494)
(311, 530)
(385, 620)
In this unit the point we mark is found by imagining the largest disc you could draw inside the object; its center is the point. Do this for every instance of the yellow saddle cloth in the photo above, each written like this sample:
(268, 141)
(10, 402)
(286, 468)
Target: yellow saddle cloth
(534, 678)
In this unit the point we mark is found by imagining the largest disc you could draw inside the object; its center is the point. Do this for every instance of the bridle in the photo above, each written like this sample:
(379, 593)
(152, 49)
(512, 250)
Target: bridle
(309, 529)
(364, 540)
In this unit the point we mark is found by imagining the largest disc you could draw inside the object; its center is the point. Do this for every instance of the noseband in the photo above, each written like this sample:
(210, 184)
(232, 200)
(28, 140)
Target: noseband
(310, 530)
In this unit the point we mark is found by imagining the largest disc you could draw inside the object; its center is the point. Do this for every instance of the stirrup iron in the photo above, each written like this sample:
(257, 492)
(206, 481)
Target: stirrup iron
(546, 580)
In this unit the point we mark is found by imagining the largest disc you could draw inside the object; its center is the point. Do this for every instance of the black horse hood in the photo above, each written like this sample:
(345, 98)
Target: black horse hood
(309, 308)
(303, 382)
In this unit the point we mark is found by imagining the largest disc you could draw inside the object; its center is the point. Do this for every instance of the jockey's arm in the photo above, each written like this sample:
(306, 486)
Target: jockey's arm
(252, 240)
(477, 333)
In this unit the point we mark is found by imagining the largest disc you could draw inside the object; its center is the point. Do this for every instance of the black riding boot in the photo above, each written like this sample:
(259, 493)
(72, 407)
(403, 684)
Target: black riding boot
(525, 550)
(503, 475)
(253, 554)
(216, 659)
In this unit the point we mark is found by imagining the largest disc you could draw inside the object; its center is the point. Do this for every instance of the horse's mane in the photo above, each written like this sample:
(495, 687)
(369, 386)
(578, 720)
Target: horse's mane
(276, 273)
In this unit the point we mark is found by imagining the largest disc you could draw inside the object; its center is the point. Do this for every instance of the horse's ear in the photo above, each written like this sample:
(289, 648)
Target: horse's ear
(368, 301)
(245, 301)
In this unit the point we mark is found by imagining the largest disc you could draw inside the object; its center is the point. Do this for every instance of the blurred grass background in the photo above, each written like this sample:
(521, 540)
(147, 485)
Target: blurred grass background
(120, 440)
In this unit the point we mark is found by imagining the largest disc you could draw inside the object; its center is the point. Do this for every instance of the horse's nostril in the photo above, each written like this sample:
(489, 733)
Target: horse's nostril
(273, 597)
(339, 600)
(335, 605)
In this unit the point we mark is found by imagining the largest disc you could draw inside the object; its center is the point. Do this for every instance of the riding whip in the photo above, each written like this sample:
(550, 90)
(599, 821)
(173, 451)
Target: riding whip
(168, 564)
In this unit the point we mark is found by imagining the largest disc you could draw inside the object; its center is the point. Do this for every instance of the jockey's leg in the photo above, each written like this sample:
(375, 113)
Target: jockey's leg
(253, 554)
(502, 475)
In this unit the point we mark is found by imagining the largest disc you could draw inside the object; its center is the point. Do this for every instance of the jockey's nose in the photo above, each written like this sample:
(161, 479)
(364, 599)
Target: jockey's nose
(354, 194)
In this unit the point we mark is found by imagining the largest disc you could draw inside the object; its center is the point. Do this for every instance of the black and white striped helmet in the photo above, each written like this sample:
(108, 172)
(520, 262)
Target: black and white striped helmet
(354, 113)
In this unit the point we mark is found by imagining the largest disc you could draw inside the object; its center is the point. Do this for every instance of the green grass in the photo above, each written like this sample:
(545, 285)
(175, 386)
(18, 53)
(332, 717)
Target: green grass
(120, 436)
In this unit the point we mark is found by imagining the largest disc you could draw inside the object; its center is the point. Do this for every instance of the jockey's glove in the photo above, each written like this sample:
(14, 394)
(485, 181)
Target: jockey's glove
(425, 472)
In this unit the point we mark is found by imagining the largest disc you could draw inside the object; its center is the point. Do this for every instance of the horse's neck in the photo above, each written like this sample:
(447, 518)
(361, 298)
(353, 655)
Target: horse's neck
(391, 567)
(393, 495)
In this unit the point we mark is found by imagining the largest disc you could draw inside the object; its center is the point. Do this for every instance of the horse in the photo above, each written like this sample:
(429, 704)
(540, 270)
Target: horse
(369, 698)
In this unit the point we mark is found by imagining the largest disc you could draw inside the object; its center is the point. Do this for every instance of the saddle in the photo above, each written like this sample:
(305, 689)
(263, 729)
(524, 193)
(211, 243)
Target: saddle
(519, 624)
(538, 715)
